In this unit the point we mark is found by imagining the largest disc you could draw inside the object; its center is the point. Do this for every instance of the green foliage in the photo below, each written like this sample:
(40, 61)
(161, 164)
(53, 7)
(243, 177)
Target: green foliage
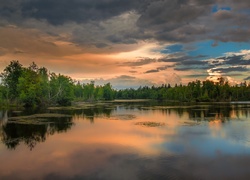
(196, 91)
(34, 86)
(78, 90)
(61, 89)
(3, 94)
(108, 93)
(29, 87)
(88, 91)
(98, 94)
(93, 93)
(10, 76)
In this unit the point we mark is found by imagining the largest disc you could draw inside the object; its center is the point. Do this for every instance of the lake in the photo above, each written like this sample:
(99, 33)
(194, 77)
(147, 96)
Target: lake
(127, 140)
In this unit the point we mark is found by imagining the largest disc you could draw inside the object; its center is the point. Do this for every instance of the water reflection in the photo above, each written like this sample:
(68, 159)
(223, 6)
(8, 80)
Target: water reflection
(195, 112)
(15, 132)
(3, 117)
(195, 141)
(89, 113)
(94, 112)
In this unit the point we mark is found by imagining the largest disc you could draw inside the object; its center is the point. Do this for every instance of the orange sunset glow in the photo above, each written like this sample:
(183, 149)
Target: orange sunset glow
(111, 41)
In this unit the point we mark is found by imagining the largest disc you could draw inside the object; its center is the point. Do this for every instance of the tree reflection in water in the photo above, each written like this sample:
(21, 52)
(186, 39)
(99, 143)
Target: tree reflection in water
(193, 136)
(89, 113)
(13, 134)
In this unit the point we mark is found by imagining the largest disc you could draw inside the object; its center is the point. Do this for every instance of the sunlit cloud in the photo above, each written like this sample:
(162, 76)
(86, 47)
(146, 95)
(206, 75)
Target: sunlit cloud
(148, 40)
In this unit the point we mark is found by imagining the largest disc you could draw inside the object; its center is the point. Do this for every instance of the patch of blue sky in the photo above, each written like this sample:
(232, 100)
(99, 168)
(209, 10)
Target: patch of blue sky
(215, 8)
(172, 49)
(212, 146)
(200, 141)
(175, 147)
(206, 49)
(206, 147)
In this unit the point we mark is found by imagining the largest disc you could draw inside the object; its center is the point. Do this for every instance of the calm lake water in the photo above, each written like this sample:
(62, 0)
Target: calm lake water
(133, 140)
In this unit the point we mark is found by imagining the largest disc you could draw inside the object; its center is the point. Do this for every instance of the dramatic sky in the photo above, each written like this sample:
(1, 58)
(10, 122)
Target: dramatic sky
(129, 42)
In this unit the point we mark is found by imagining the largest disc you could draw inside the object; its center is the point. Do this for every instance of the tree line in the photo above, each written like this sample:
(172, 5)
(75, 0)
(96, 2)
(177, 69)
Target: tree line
(33, 85)
(195, 91)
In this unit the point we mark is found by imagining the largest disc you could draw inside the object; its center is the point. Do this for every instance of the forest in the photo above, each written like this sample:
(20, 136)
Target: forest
(36, 86)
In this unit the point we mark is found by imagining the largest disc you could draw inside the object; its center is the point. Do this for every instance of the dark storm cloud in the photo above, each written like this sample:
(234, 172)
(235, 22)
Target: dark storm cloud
(80, 11)
(152, 71)
(161, 20)
(174, 59)
(184, 68)
(139, 62)
(190, 20)
(120, 39)
(187, 65)
(172, 20)
(236, 60)
(101, 45)
(182, 63)
(239, 3)
(159, 69)
(10, 12)
(167, 13)
(231, 69)
(165, 67)
(235, 35)
(192, 62)
(233, 60)
(180, 57)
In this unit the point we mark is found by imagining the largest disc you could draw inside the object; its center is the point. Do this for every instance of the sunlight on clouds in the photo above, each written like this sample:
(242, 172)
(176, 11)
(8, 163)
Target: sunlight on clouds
(146, 49)
(154, 42)
(88, 66)
(233, 67)
(34, 43)
(244, 52)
